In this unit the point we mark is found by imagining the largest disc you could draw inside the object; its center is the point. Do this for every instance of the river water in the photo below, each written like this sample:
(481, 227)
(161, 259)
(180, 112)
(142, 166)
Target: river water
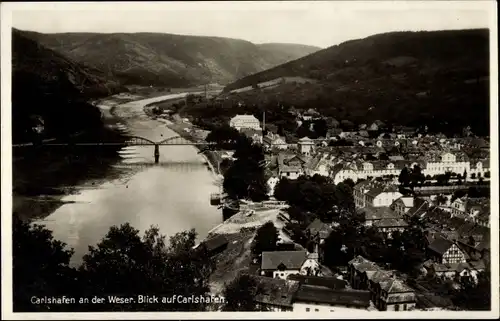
(173, 195)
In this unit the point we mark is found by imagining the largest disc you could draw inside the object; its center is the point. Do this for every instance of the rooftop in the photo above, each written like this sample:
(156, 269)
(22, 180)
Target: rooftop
(325, 281)
(292, 260)
(275, 291)
(440, 245)
(319, 294)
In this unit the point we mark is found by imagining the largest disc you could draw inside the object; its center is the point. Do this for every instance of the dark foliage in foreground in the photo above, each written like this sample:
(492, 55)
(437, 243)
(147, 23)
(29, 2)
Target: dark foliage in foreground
(123, 264)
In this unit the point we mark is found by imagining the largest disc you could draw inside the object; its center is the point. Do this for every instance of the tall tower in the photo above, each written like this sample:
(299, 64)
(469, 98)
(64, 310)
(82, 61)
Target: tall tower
(263, 121)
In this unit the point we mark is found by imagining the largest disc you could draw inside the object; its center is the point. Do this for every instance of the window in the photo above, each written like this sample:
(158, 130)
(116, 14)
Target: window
(316, 310)
(307, 309)
(404, 307)
(396, 307)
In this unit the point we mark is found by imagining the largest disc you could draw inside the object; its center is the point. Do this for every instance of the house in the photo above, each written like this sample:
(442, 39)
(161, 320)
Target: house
(375, 194)
(402, 205)
(290, 166)
(311, 114)
(313, 298)
(458, 207)
(357, 170)
(245, 121)
(390, 225)
(254, 134)
(373, 127)
(454, 271)
(326, 281)
(481, 168)
(373, 215)
(319, 164)
(419, 209)
(319, 229)
(386, 291)
(340, 172)
(435, 163)
(275, 141)
(356, 267)
(275, 294)
(214, 245)
(442, 250)
(469, 208)
(306, 146)
(394, 295)
(280, 264)
(359, 191)
(381, 196)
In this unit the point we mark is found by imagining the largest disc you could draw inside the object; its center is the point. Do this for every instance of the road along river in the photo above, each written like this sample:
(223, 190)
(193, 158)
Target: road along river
(173, 195)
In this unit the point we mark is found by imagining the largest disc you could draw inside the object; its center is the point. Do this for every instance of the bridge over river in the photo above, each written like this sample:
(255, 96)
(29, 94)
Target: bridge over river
(131, 141)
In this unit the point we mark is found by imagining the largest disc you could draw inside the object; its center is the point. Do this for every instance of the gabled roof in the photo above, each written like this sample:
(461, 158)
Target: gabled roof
(292, 260)
(378, 276)
(326, 281)
(215, 242)
(318, 294)
(407, 201)
(373, 192)
(440, 245)
(390, 222)
(394, 285)
(378, 213)
(361, 185)
(275, 291)
(317, 226)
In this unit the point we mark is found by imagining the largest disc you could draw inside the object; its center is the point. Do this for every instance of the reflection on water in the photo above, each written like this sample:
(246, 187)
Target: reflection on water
(174, 195)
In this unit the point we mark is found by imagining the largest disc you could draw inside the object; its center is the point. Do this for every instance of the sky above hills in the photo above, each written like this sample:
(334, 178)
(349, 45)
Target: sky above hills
(316, 23)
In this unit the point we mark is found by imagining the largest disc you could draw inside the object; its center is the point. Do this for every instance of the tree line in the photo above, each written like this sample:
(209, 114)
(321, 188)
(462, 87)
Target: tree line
(122, 264)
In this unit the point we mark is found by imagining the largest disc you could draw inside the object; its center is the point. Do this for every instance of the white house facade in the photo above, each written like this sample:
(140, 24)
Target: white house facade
(244, 121)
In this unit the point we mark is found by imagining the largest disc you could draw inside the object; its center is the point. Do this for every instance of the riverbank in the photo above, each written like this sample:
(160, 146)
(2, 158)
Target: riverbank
(184, 129)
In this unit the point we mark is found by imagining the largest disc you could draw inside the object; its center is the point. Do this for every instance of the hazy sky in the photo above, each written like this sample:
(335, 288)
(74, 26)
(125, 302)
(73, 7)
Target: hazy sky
(318, 23)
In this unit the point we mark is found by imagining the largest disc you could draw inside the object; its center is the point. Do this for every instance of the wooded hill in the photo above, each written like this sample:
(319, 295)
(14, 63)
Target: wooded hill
(438, 78)
(161, 59)
(51, 90)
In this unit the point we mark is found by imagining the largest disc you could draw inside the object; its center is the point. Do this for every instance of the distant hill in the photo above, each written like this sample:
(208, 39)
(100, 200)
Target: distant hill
(168, 59)
(53, 91)
(439, 78)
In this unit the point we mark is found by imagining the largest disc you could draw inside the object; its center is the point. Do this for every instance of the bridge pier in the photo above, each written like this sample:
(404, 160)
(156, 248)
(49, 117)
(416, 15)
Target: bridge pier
(157, 153)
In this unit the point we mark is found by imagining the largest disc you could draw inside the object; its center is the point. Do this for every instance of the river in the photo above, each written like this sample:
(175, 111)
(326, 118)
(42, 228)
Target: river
(173, 195)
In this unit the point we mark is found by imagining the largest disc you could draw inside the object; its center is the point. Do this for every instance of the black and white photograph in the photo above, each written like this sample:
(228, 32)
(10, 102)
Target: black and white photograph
(288, 159)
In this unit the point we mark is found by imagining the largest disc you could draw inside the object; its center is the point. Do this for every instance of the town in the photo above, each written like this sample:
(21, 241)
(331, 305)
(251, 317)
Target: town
(407, 226)
(326, 159)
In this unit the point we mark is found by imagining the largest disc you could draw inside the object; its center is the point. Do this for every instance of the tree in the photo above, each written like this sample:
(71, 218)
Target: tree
(265, 239)
(404, 177)
(40, 267)
(240, 293)
(474, 296)
(349, 182)
(223, 135)
(441, 199)
(245, 178)
(125, 264)
(283, 189)
(344, 197)
(416, 176)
